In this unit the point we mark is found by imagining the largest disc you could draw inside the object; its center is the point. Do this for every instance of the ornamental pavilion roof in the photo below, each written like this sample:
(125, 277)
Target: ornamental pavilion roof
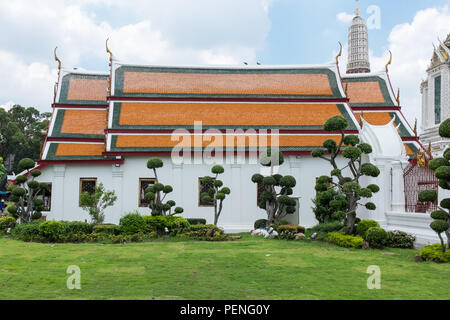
(147, 103)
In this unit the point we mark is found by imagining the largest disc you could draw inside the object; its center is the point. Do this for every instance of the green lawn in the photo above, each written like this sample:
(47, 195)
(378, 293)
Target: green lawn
(176, 269)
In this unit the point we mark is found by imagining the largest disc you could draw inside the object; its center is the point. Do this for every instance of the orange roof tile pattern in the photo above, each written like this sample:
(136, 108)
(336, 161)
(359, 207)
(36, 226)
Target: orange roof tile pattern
(375, 118)
(84, 121)
(226, 114)
(153, 141)
(78, 149)
(87, 89)
(360, 92)
(201, 83)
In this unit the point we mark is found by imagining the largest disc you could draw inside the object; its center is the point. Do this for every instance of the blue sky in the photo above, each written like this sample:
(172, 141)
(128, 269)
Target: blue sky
(207, 32)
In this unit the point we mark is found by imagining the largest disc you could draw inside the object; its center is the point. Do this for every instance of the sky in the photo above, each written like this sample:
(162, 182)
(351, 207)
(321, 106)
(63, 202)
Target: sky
(210, 32)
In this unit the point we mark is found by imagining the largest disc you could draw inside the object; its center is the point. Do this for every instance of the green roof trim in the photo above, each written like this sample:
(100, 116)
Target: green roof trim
(119, 81)
(384, 90)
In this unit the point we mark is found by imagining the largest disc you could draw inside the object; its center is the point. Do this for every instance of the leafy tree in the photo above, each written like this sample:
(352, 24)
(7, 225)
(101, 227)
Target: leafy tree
(153, 194)
(96, 203)
(352, 149)
(441, 168)
(3, 175)
(275, 198)
(24, 195)
(214, 194)
(21, 134)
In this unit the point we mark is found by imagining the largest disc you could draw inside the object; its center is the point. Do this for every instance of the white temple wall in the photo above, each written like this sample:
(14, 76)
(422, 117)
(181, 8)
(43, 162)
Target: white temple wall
(240, 209)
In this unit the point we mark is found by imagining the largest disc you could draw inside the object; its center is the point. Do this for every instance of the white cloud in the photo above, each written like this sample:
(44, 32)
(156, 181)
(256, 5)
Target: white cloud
(345, 17)
(150, 32)
(8, 105)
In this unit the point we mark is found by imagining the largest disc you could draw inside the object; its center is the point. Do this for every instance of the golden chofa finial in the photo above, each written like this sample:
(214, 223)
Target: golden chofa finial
(340, 52)
(398, 97)
(389, 62)
(57, 59)
(109, 51)
(415, 128)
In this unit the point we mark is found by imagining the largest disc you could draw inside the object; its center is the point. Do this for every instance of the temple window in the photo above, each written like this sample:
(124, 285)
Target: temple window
(88, 185)
(437, 100)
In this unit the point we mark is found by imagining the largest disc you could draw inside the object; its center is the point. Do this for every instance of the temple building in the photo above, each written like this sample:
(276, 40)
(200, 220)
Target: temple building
(436, 98)
(105, 126)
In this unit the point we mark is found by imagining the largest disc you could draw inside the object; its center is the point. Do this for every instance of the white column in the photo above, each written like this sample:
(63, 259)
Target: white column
(116, 212)
(382, 198)
(295, 165)
(177, 171)
(398, 187)
(58, 210)
(237, 215)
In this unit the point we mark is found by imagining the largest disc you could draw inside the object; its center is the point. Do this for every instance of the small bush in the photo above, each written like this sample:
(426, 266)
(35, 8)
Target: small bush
(434, 253)
(200, 232)
(51, 230)
(376, 237)
(78, 226)
(260, 223)
(400, 239)
(132, 223)
(193, 221)
(344, 240)
(106, 229)
(6, 223)
(27, 231)
(365, 225)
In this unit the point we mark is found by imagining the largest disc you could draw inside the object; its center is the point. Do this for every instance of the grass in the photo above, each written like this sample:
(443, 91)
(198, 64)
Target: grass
(250, 268)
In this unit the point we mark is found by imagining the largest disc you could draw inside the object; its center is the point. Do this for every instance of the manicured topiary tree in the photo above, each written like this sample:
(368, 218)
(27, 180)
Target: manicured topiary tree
(275, 198)
(441, 168)
(96, 203)
(24, 193)
(330, 205)
(353, 150)
(156, 193)
(216, 191)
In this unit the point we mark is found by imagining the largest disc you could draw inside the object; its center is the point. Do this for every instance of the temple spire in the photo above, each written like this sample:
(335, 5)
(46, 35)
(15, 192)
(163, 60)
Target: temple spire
(358, 45)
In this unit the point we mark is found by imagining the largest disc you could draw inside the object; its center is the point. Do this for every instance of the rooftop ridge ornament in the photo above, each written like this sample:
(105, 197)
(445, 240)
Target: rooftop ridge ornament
(55, 87)
(389, 62)
(398, 97)
(415, 128)
(110, 66)
(340, 52)
(109, 51)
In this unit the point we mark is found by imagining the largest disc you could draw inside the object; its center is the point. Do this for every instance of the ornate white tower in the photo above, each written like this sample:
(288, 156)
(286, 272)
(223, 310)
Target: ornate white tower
(436, 98)
(358, 45)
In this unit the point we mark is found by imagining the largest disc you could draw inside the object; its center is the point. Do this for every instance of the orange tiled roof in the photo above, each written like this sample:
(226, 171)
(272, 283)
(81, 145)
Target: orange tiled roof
(87, 89)
(360, 92)
(375, 118)
(226, 114)
(154, 141)
(78, 149)
(84, 121)
(197, 83)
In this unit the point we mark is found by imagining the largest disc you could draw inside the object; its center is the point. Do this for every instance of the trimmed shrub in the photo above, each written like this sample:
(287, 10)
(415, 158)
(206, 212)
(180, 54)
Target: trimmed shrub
(193, 221)
(260, 223)
(344, 240)
(365, 225)
(174, 224)
(376, 237)
(27, 231)
(288, 232)
(400, 239)
(132, 223)
(78, 226)
(51, 230)
(434, 253)
(6, 223)
(106, 229)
